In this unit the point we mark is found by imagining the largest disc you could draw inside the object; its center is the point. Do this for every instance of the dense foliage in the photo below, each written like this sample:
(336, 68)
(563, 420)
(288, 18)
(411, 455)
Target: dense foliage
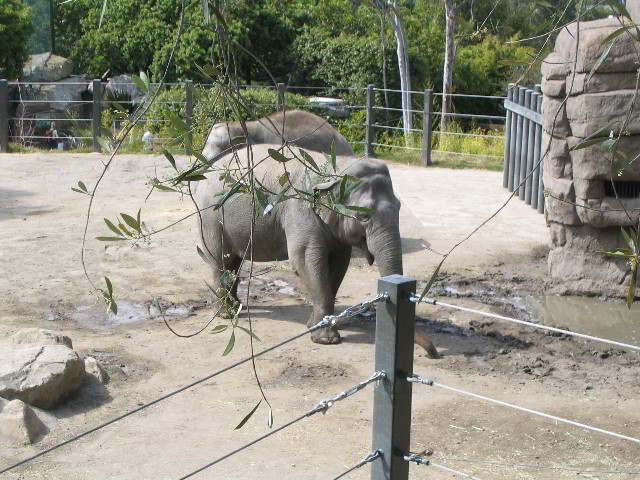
(15, 30)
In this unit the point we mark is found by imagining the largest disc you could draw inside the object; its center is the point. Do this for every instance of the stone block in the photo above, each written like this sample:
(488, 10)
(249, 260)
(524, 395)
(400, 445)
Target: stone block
(594, 161)
(560, 199)
(587, 188)
(555, 163)
(589, 112)
(568, 264)
(46, 67)
(558, 234)
(553, 88)
(600, 82)
(609, 212)
(19, 423)
(554, 117)
(40, 336)
(555, 67)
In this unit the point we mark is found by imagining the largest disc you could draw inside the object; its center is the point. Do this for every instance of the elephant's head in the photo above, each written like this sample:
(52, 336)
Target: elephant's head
(377, 234)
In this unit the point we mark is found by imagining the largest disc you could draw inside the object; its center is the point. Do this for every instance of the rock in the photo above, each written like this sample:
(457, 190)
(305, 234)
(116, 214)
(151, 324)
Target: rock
(553, 88)
(554, 117)
(46, 67)
(589, 112)
(600, 82)
(555, 67)
(588, 188)
(559, 205)
(41, 376)
(573, 264)
(590, 163)
(19, 423)
(58, 96)
(123, 84)
(558, 234)
(40, 336)
(608, 212)
(557, 162)
(95, 368)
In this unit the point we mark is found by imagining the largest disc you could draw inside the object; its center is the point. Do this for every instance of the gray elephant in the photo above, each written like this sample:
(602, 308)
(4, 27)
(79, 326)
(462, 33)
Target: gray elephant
(301, 128)
(317, 241)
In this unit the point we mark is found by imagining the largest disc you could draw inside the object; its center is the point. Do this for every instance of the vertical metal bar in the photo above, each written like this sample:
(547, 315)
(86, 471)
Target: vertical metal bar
(96, 119)
(530, 147)
(427, 127)
(538, 89)
(507, 137)
(518, 141)
(525, 144)
(280, 97)
(537, 152)
(188, 111)
(395, 328)
(370, 133)
(4, 116)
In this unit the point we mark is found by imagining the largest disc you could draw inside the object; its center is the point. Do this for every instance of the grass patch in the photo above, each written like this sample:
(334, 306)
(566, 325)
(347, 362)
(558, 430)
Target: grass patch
(444, 160)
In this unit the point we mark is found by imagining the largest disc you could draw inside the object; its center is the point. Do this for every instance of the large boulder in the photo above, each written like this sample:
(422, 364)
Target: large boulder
(41, 376)
(46, 67)
(123, 84)
(40, 336)
(57, 96)
(19, 423)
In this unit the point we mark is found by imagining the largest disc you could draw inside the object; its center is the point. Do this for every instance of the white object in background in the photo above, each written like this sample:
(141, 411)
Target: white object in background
(147, 139)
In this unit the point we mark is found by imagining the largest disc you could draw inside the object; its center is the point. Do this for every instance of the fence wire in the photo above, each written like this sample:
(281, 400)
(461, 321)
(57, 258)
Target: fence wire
(413, 378)
(433, 301)
(328, 320)
(321, 406)
(421, 460)
(371, 456)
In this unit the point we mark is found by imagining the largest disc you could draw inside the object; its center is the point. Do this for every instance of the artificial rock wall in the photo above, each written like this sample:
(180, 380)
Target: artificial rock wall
(582, 213)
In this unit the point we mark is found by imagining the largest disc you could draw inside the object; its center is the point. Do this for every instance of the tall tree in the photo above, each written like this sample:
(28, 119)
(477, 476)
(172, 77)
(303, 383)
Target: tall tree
(451, 10)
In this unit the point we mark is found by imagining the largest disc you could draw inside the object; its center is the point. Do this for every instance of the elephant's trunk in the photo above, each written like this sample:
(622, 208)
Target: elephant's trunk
(385, 245)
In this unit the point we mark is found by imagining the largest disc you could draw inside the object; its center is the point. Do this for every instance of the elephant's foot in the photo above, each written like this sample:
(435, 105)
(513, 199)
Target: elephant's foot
(326, 336)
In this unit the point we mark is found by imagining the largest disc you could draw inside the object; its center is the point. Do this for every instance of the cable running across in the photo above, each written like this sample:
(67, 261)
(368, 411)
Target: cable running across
(321, 406)
(371, 456)
(421, 460)
(328, 320)
(432, 301)
(413, 378)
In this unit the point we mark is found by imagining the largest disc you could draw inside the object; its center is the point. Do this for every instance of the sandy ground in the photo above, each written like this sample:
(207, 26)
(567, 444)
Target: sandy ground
(42, 284)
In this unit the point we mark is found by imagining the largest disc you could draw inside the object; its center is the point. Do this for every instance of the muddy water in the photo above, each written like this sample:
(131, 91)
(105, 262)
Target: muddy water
(592, 316)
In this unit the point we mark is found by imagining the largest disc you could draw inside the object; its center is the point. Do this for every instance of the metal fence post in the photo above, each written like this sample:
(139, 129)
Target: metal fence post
(525, 144)
(280, 97)
(4, 116)
(188, 110)
(516, 163)
(395, 328)
(541, 168)
(507, 139)
(513, 138)
(427, 127)
(370, 133)
(96, 119)
(537, 152)
(530, 150)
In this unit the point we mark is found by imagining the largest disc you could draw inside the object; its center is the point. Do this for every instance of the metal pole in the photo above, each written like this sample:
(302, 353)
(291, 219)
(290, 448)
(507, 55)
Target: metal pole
(395, 329)
(525, 145)
(97, 114)
(530, 148)
(370, 133)
(541, 169)
(537, 151)
(513, 138)
(427, 127)
(189, 115)
(516, 161)
(280, 97)
(507, 137)
(4, 116)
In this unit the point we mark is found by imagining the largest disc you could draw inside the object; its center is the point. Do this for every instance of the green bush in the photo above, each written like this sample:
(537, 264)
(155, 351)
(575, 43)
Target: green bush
(15, 29)
(468, 144)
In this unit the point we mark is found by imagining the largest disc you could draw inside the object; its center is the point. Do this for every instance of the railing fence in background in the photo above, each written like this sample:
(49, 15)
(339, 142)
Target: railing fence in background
(523, 145)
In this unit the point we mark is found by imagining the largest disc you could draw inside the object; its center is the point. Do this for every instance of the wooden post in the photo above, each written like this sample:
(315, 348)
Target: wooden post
(537, 152)
(97, 114)
(427, 127)
(395, 329)
(4, 116)
(525, 145)
(516, 169)
(530, 149)
(280, 97)
(507, 139)
(189, 115)
(370, 134)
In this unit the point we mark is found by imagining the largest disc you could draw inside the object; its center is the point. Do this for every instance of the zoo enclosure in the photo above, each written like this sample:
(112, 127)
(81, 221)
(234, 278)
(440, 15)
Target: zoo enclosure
(363, 115)
(391, 455)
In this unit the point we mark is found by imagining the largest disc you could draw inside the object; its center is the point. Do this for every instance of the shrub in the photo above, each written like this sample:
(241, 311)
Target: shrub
(15, 29)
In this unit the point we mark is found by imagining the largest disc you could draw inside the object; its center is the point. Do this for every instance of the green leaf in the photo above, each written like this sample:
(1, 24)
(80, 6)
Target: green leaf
(170, 158)
(248, 416)
(110, 239)
(178, 123)
(616, 33)
(112, 227)
(230, 344)
(106, 133)
(628, 239)
(632, 284)
(132, 222)
(513, 63)
(283, 179)
(82, 187)
(145, 79)
(333, 156)
(164, 188)
(124, 229)
(119, 107)
(600, 60)
(104, 9)
(277, 156)
(138, 219)
(139, 83)
(219, 328)
(196, 178)
(597, 136)
(622, 253)
(113, 307)
(309, 159)
(109, 286)
(343, 186)
(250, 333)
(78, 190)
(104, 144)
(432, 279)
(227, 279)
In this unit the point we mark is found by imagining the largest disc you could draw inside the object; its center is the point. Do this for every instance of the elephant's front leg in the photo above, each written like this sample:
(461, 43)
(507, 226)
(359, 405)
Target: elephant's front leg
(312, 264)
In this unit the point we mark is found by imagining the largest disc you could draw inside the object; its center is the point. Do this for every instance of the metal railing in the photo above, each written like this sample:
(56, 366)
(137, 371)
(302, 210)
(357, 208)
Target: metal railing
(523, 167)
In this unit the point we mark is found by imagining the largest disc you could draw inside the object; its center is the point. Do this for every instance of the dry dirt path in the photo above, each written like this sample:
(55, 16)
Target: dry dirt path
(42, 284)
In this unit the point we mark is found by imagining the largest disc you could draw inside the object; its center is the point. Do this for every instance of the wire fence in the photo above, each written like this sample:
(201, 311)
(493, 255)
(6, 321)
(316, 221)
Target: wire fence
(393, 377)
(30, 118)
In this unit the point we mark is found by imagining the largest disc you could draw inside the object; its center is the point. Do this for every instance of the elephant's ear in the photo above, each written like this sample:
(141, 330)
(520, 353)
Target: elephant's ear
(328, 185)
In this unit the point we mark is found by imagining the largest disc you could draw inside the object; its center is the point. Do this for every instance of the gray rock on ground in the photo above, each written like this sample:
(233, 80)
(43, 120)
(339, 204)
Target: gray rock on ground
(40, 336)
(46, 67)
(95, 368)
(19, 423)
(41, 376)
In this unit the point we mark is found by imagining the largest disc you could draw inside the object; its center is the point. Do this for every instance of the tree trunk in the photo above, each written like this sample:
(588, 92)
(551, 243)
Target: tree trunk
(383, 40)
(449, 62)
(403, 70)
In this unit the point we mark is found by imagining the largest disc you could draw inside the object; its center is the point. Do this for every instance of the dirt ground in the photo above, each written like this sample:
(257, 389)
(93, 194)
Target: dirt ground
(42, 284)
